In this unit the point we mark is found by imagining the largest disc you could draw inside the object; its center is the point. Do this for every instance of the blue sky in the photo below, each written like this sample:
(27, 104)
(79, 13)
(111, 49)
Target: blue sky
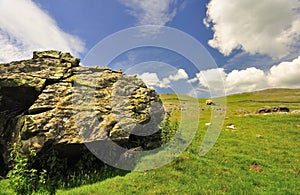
(255, 44)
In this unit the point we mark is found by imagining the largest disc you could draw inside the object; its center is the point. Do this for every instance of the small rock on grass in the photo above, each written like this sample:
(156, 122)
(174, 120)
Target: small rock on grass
(259, 136)
(231, 126)
(256, 167)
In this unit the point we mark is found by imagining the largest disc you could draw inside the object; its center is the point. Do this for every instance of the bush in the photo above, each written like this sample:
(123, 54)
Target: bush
(168, 129)
(23, 178)
(29, 174)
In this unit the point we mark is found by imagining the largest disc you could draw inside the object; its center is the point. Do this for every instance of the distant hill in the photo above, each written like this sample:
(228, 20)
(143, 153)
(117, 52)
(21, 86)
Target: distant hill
(280, 95)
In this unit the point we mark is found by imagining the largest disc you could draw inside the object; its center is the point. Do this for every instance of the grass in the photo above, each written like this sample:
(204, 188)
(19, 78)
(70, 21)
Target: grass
(5, 188)
(260, 156)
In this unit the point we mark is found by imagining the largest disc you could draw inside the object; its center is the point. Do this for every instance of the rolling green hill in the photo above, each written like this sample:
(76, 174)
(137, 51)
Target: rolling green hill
(259, 156)
(250, 102)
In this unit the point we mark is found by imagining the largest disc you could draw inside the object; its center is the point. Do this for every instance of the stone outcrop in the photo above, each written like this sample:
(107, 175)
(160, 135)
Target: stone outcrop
(51, 102)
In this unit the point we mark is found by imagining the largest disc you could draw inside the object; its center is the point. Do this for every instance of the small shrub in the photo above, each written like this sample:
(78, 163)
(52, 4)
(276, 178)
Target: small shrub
(22, 177)
(53, 172)
(168, 129)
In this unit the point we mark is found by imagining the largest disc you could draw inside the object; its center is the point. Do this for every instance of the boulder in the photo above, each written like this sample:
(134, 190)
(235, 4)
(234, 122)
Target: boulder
(283, 109)
(274, 109)
(209, 102)
(265, 109)
(50, 102)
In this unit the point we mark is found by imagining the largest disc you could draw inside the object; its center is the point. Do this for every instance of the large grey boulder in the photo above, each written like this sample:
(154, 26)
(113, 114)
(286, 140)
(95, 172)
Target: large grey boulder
(50, 102)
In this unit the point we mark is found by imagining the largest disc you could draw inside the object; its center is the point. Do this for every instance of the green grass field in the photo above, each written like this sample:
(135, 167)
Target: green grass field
(260, 156)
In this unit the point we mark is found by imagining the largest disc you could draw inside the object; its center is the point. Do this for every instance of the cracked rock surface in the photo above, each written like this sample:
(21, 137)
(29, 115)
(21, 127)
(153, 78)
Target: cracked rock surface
(51, 102)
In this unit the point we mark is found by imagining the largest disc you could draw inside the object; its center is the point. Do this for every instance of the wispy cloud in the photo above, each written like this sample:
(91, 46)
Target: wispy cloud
(25, 27)
(254, 26)
(152, 12)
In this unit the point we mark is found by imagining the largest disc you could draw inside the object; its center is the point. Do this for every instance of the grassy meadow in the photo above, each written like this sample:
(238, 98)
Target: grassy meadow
(261, 155)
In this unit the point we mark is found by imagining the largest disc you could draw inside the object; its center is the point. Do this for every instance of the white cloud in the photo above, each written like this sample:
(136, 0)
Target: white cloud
(283, 75)
(181, 74)
(213, 82)
(250, 79)
(152, 12)
(212, 79)
(24, 27)
(194, 80)
(152, 79)
(269, 27)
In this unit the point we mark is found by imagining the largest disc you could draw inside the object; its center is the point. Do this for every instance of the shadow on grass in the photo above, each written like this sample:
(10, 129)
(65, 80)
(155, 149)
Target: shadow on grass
(63, 173)
(85, 177)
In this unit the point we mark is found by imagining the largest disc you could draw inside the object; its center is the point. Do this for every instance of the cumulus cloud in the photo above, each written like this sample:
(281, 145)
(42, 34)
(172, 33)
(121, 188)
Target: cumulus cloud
(181, 74)
(211, 79)
(269, 27)
(24, 27)
(152, 12)
(152, 79)
(250, 79)
(283, 75)
(214, 82)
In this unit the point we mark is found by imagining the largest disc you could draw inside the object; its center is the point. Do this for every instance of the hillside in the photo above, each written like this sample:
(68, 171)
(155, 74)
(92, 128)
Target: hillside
(250, 102)
(280, 95)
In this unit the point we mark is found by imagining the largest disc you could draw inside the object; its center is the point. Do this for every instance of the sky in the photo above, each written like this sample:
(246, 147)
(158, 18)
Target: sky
(248, 45)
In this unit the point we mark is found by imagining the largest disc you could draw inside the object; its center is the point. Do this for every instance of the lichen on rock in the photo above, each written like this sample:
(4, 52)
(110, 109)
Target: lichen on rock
(51, 102)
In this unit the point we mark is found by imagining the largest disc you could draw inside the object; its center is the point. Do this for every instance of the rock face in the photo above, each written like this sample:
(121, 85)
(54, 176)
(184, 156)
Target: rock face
(50, 102)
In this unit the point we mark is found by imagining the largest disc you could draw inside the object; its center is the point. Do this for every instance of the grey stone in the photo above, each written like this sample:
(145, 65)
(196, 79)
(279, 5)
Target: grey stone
(51, 102)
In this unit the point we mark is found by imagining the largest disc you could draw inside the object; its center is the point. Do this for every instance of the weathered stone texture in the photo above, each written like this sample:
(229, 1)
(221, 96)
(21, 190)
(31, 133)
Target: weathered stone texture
(50, 101)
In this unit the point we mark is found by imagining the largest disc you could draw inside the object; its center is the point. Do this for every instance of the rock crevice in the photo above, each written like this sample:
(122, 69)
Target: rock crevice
(51, 102)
